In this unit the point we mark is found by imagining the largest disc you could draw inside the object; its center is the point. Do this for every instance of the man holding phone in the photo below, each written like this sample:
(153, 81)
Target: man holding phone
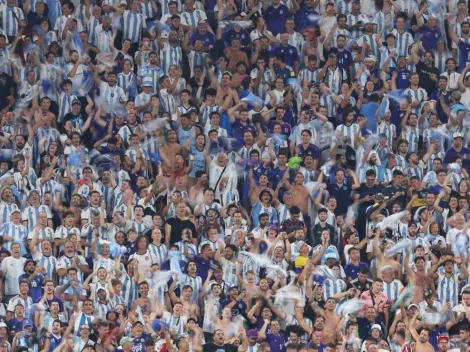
(365, 197)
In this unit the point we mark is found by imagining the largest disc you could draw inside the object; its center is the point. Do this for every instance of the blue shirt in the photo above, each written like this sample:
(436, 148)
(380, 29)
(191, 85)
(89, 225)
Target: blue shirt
(402, 77)
(54, 343)
(277, 174)
(352, 270)
(55, 299)
(284, 73)
(440, 112)
(276, 18)
(15, 325)
(139, 343)
(451, 153)
(241, 35)
(305, 17)
(276, 342)
(289, 51)
(464, 50)
(257, 173)
(238, 130)
(364, 325)
(203, 266)
(344, 59)
(430, 37)
(312, 150)
(285, 129)
(238, 309)
(35, 286)
(207, 39)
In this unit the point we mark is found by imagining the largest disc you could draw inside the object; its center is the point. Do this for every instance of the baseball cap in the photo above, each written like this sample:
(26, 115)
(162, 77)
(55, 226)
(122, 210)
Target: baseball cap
(376, 326)
(125, 340)
(443, 338)
(3, 325)
(27, 262)
(137, 322)
(412, 305)
(252, 334)
(76, 101)
(147, 83)
(457, 135)
(27, 322)
(232, 287)
(158, 325)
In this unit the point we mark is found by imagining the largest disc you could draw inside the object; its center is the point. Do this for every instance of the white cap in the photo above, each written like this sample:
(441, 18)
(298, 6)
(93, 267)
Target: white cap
(457, 135)
(376, 326)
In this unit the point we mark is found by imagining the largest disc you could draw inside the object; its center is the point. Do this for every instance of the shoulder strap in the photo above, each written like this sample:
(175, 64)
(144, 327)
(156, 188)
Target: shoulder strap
(218, 180)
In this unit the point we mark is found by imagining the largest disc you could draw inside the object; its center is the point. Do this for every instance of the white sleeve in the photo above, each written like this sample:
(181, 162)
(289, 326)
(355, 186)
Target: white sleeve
(60, 264)
(57, 234)
(11, 305)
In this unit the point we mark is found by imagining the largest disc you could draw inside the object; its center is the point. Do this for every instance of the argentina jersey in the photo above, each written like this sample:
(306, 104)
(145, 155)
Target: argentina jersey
(133, 23)
(170, 55)
(191, 19)
(160, 252)
(393, 289)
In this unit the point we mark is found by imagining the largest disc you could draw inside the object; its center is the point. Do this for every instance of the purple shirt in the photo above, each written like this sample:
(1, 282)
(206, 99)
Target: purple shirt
(207, 39)
(285, 128)
(430, 37)
(276, 342)
(352, 270)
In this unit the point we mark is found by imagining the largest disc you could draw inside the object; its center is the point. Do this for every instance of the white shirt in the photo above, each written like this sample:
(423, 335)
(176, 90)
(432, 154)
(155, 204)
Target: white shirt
(12, 269)
(145, 261)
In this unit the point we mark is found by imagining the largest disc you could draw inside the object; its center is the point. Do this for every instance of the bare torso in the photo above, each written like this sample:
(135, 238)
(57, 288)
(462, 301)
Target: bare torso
(170, 150)
(331, 326)
(300, 194)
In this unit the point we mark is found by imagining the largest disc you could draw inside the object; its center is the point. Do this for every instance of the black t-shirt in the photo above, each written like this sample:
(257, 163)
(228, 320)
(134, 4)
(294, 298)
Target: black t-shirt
(342, 195)
(177, 227)
(6, 83)
(77, 120)
(363, 191)
(212, 347)
(195, 86)
(425, 73)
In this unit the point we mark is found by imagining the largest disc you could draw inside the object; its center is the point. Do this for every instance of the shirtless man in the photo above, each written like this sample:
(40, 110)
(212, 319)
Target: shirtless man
(299, 192)
(196, 192)
(224, 88)
(383, 261)
(330, 330)
(419, 278)
(189, 309)
(255, 190)
(422, 340)
(168, 153)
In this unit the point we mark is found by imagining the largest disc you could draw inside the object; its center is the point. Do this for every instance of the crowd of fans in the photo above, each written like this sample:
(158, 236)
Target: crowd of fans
(234, 175)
